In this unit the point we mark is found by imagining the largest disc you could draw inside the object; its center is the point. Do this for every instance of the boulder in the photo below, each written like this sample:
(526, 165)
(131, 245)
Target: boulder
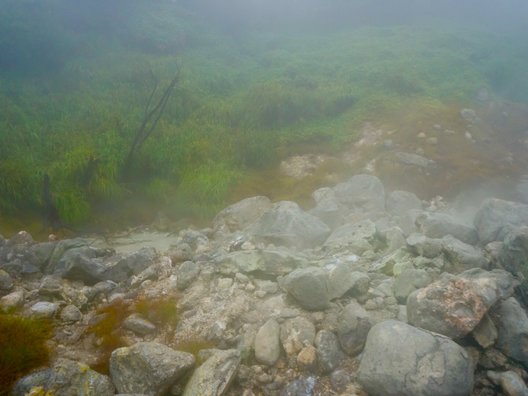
(342, 279)
(497, 217)
(132, 264)
(67, 378)
(44, 309)
(462, 256)
(328, 208)
(512, 325)
(81, 264)
(329, 354)
(267, 261)
(309, 287)
(148, 367)
(241, 214)
(353, 327)
(454, 305)
(438, 225)
(6, 282)
(356, 237)
(513, 256)
(267, 344)
(287, 224)
(399, 359)
(362, 193)
(215, 375)
(399, 203)
(187, 272)
(408, 281)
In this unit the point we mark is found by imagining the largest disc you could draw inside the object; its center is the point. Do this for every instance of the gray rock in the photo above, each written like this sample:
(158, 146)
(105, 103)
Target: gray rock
(485, 333)
(180, 252)
(353, 327)
(40, 254)
(454, 305)
(80, 264)
(215, 375)
(148, 367)
(408, 281)
(513, 256)
(13, 300)
(60, 249)
(133, 264)
(400, 202)
(438, 225)
(267, 261)
(362, 193)
(66, 378)
(510, 382)
(287, 224)
(328, 208)
(187, 272)
(512, 324)
(497, 217)
(463, 256)
(354, 237)
(399, 359)
(342, 279)
(70, 314)
(309, 287)
(20, 238)
(267, 344)
(329, 354)
(44, 309)
(241, 214)
(139, 325)
(469, 115)
(302, 386)
(50, 286)
(295, 334)
(412, 159)
(6, 282)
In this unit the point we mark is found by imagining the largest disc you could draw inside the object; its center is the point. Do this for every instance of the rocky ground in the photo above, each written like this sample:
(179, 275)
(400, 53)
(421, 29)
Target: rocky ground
(370, 292)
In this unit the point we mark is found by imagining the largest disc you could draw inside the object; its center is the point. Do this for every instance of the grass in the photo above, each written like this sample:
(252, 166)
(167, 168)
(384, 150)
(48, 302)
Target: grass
(22, 347)
(244, 103)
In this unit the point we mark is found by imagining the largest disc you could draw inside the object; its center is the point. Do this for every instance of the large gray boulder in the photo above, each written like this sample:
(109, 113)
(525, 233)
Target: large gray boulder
(362, 193)
(131, 264)
(309, 287)
(148, 367)
(399, 359)
(241, 214)
(438, 225)
(66, 378)
(287, 224)
(214, 377)
(462, 256)
(512, 325)
(399, 203)
(267, 261)
(454, 305)
(497, 217)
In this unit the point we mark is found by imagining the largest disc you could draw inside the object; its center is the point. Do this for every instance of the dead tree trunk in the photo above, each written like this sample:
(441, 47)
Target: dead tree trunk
(153, 114)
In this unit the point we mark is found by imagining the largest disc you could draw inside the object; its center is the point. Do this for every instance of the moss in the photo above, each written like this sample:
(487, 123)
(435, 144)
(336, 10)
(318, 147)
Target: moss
(22, 347)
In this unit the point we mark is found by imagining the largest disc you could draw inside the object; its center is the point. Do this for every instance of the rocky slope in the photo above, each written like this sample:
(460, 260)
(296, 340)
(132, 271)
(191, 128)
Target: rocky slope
(368, 293)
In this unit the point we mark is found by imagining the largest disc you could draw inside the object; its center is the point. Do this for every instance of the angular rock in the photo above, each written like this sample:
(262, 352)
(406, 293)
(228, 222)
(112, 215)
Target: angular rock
(241, 214)
(485, 333)
(342, 279)
(70, 314)
(267, 344)
(329, 354)
(309, 287)
(497, 217)
(288, 225)
(510, 382)
(80, 264)
(328, 208)
(133, 264)
(187, 272)
(353, 327)
(424, 246)
(400, 202)
(148, 367)
(513, 256)
(512, 325)
(307, 358)
(355, 237)
(44, 309)
(463, 256)
(67, 378)
(139, 325)
(399, 359)
(295, 334)
(362, 192)
(454, 305)
(302, 386)
(408, 281)
(6, 282)
(270, 262)
(215, 375)
(438, 225)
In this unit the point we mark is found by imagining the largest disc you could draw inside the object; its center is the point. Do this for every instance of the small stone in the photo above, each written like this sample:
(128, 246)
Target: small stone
(485, 333)
(307, 358)
(340, 379)
(70, 314)
(186, 274)
(44, 309)
(6, 283)
(329, 355)
(13, 300)
(267, 344)
(139, 325)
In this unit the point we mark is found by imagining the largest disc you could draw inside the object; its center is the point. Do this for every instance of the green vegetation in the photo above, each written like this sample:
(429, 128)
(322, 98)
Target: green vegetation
(22, 347)
(75, 84)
